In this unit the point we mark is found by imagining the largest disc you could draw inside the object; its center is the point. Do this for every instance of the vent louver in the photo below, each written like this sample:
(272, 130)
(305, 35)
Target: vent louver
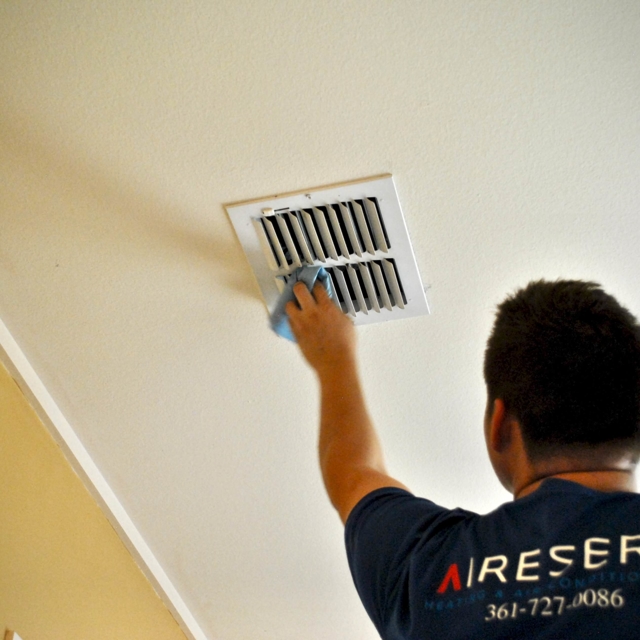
(356, 231)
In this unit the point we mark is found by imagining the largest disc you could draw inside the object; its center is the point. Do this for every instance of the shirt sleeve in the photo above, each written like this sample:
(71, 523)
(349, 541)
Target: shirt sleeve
(382, 534)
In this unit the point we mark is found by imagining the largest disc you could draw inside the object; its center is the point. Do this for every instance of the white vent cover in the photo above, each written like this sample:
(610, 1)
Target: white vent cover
(355, 230)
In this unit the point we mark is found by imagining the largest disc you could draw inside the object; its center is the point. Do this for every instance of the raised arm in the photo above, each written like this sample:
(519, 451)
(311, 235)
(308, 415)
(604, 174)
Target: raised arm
(351, 458)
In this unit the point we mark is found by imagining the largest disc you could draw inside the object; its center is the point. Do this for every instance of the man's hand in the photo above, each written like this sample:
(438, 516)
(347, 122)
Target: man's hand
(326, 336)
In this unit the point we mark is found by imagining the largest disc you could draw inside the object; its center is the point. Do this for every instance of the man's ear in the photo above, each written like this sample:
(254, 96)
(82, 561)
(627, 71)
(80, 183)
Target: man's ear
(499, 435)
(505, 446)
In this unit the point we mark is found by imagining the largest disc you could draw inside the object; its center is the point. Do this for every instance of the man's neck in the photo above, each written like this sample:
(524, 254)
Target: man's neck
(599, 479)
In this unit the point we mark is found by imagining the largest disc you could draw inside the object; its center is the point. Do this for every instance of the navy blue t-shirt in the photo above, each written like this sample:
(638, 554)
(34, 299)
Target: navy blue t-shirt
(562, 562)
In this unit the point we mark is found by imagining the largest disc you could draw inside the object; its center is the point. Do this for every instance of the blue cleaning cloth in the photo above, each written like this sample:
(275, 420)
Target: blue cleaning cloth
(309, 275)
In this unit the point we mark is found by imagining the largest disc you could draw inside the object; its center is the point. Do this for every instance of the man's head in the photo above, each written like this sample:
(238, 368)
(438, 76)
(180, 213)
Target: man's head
(564, 357)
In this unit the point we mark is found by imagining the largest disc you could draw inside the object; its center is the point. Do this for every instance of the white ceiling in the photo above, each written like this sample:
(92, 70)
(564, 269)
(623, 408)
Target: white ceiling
(513, 134)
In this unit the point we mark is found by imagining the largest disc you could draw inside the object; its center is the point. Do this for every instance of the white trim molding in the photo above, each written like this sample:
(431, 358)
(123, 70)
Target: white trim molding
(48, 411)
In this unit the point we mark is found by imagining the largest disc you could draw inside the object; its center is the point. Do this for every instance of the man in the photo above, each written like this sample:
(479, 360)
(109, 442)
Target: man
(562, 428)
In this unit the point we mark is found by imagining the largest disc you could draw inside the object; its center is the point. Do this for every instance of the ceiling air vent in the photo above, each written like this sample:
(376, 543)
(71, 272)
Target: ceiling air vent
(355, 230)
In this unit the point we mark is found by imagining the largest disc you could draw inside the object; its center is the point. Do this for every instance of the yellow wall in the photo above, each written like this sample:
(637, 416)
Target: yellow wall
(64, 573)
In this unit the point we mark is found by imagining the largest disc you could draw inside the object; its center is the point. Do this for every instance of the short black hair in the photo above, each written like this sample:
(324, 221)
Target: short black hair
(564, 357)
